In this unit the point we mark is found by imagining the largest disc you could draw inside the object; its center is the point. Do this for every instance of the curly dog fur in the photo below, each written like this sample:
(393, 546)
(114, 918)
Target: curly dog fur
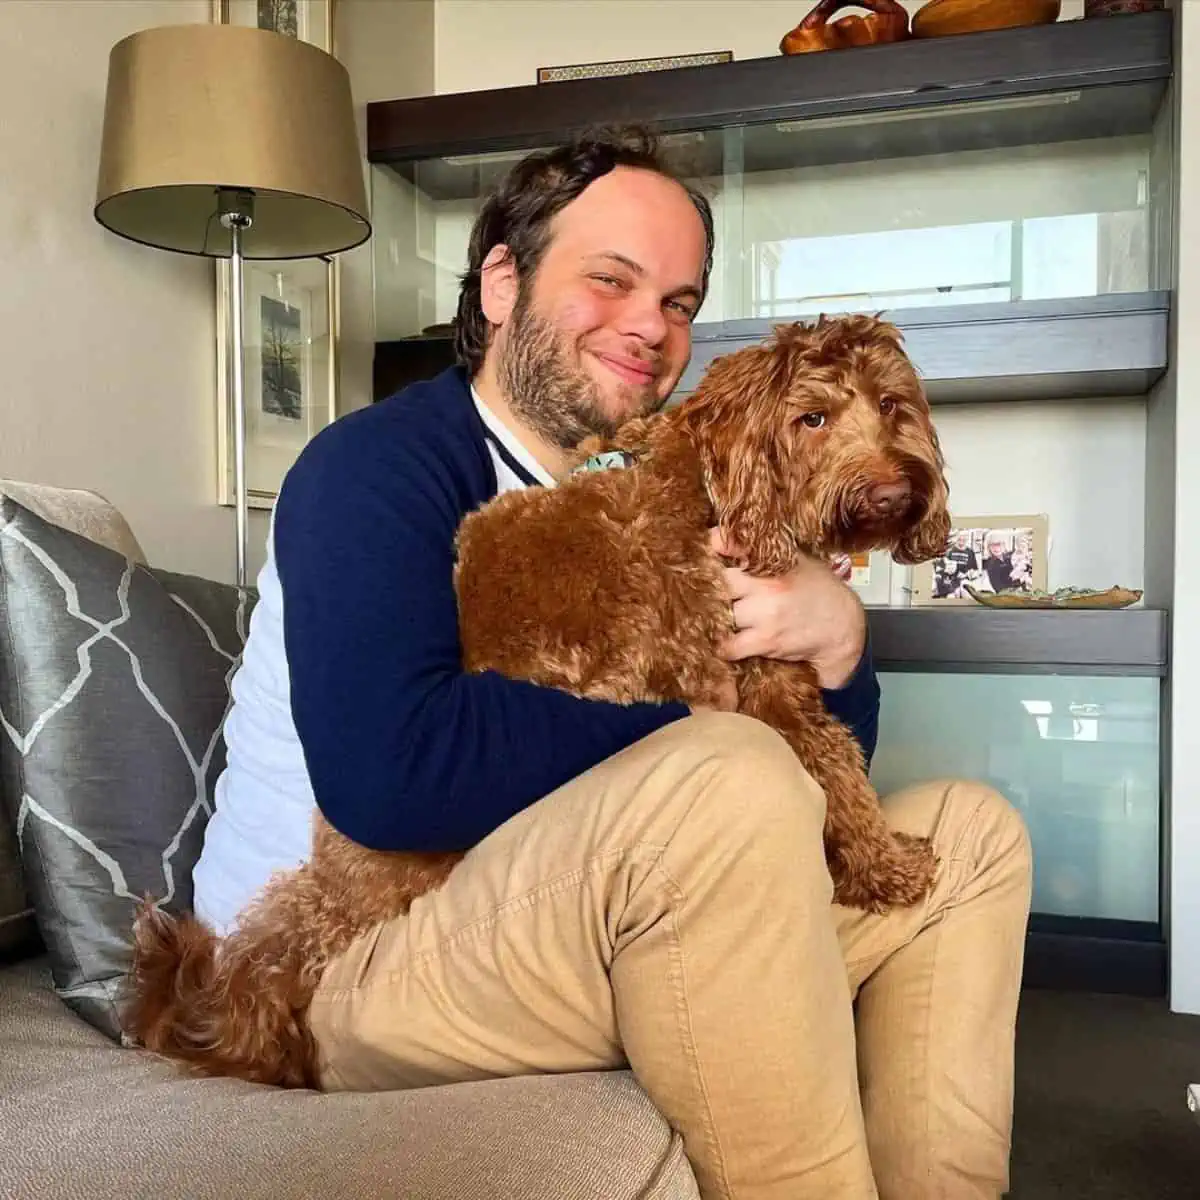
(819, 441)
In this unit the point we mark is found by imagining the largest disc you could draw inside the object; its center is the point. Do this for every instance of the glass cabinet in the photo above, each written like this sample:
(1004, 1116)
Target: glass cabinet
(1078, 756)
(1033, 181)
(1006, 198)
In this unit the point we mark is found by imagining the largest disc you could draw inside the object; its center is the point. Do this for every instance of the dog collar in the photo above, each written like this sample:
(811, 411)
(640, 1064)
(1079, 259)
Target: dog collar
(609, 460)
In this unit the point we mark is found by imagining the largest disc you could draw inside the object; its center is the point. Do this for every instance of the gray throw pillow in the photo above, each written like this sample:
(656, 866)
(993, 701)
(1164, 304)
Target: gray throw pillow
(114, 684)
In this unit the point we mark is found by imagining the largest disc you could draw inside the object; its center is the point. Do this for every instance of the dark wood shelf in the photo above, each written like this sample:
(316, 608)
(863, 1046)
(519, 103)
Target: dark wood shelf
(1113, 345)
(979, 640)
(1100, 77)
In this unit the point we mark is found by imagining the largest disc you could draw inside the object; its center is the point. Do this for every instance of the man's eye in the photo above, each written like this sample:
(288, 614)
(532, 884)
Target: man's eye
(608, 280)
(814, 420)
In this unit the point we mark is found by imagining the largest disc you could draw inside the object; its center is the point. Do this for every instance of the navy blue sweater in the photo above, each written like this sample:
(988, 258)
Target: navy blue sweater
(404, 749)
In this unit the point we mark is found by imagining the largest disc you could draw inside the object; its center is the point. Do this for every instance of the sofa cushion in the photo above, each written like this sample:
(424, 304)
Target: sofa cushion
(112, 697)
(81, 1117)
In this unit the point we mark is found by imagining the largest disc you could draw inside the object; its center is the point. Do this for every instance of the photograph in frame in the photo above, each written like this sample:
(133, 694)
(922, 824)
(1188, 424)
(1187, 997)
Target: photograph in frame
(991, 553)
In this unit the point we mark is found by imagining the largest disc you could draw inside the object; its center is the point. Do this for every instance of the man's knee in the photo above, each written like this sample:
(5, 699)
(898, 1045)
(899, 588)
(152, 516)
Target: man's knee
(965, 816)
(746, 772)
(1003, 833)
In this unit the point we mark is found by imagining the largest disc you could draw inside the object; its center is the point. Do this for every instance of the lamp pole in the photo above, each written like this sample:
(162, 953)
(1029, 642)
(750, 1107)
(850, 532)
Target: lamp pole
(237, 215)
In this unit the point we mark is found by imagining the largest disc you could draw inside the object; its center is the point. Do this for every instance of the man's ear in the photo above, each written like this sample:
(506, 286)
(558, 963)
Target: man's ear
(498, 285)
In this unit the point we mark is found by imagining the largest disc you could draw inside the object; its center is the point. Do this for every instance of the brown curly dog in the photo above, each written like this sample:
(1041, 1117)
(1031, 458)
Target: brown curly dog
(818, 442)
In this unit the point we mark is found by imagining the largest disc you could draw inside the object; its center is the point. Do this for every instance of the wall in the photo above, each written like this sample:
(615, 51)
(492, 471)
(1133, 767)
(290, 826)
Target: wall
(107, 346)
(501, 43)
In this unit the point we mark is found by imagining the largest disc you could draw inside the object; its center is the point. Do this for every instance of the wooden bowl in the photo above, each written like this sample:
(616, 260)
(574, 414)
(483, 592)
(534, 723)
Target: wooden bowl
(944, 18)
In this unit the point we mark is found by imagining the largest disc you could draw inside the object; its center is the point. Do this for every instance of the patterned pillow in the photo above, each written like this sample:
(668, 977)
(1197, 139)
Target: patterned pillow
(114, 683)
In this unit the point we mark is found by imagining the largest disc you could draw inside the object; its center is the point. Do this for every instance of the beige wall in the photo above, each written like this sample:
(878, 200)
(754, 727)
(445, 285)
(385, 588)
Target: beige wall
(501, 43)
(108, 363)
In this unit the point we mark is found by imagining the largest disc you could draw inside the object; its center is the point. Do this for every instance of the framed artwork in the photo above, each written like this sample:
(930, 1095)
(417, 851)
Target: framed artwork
(308, 20)
(997, 553)
(291, 311)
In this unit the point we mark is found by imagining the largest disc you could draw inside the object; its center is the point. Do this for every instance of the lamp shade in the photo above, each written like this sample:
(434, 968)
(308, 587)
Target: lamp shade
(194, 110)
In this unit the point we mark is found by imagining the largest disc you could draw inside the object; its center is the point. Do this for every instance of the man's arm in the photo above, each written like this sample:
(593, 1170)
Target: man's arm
(404, 749)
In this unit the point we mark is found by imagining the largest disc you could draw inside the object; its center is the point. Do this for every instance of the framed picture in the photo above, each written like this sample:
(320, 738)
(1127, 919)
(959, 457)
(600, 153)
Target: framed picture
(291, 311)
(999, 553)
(308, 20)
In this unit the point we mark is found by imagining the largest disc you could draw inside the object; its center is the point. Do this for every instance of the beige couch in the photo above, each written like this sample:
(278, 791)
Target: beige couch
(81, 1115)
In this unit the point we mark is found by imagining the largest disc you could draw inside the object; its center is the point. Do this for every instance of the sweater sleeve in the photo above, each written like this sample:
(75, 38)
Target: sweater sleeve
(856, 703)
(404, 749)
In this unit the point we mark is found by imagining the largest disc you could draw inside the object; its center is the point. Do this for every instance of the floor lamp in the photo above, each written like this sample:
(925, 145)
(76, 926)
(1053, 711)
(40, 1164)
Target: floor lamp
(230, 142)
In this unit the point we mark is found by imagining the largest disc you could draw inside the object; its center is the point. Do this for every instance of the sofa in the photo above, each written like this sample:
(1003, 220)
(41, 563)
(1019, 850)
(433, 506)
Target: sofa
(83, 1112)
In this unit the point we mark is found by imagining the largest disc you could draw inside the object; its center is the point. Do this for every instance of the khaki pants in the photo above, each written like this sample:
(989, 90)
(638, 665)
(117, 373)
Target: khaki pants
(671, 910)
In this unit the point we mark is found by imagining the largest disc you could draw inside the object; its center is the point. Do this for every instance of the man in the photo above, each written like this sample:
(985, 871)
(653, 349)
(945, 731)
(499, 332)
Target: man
(647, 884)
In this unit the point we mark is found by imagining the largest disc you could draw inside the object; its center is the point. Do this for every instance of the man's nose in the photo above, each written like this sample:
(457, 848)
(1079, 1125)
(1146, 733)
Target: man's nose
(642, 317)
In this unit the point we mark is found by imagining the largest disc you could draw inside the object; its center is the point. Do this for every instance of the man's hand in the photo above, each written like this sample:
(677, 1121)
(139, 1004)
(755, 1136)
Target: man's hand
(810, 615)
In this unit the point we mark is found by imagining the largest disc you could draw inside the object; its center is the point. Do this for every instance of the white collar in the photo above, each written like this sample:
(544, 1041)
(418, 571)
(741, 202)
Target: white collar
(506, 437)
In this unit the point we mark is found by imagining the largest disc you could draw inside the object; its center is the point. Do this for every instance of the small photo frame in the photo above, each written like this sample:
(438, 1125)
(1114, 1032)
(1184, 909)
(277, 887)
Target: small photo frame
(1000, 553)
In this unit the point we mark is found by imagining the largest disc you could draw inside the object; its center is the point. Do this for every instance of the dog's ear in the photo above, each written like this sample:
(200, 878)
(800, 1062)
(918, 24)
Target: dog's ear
(739, 426)
(930, 535)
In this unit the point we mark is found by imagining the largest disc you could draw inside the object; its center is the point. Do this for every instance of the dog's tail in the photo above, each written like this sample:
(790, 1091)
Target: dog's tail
(224, 1006)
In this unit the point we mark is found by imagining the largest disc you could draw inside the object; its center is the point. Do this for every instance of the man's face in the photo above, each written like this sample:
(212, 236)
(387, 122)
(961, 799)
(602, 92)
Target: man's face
(603, 331)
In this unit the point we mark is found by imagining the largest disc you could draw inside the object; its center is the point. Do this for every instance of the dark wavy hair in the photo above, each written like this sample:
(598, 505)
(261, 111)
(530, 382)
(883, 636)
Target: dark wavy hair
(518, 212)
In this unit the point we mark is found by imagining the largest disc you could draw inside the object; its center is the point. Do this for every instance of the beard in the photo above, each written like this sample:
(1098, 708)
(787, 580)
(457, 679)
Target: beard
(552, 394)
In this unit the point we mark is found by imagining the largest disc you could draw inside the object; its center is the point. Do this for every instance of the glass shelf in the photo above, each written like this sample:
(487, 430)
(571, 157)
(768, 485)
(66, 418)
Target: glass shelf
(1079, 757)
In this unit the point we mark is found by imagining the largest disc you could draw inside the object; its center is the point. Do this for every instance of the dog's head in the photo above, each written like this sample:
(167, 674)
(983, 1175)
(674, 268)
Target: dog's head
(821, 441)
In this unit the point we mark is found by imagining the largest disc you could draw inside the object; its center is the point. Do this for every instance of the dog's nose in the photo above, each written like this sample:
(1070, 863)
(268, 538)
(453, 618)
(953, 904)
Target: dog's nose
(889, 498)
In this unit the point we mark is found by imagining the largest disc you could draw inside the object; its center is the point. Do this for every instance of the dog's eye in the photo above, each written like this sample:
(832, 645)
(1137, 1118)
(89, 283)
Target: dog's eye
(814, 420)
(887, 406)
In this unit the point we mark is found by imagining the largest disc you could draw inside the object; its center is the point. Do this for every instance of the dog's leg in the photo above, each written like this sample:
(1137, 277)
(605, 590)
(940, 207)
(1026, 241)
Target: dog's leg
(873, 866)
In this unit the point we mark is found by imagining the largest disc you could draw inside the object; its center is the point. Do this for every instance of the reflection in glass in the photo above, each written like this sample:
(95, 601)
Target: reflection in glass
(1077, 755)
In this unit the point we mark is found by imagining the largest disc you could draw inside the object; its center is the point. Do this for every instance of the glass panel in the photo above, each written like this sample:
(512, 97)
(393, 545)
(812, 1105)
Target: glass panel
(1078, 755)
(1043, 222)
(874, 211)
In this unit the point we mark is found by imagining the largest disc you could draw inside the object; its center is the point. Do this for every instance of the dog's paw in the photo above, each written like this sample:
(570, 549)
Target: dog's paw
(900, 875)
